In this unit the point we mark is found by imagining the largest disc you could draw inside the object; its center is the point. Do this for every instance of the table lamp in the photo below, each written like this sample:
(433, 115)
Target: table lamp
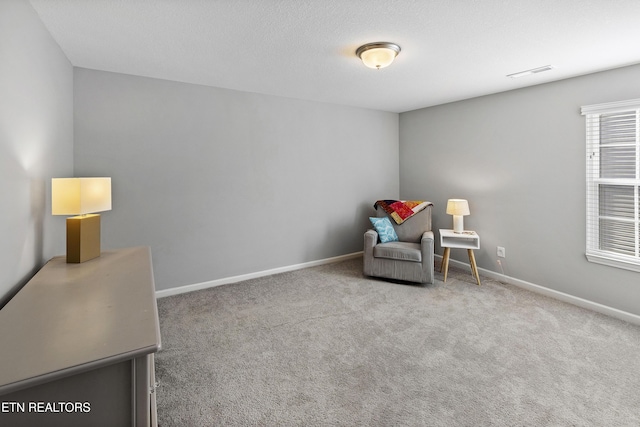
(458, 208)
(82, 197)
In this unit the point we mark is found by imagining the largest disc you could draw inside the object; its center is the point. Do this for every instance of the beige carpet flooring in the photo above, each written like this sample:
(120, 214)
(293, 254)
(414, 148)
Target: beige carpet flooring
(325, 346)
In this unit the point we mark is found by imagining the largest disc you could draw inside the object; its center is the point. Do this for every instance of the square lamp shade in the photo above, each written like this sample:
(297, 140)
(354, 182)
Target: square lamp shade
(458, 208)
(82, 197)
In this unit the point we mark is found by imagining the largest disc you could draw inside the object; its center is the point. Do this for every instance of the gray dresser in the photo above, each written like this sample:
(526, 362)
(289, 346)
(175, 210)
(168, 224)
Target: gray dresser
(77, 344)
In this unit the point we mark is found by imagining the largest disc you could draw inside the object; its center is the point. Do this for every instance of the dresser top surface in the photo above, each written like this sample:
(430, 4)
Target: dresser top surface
(73, 317)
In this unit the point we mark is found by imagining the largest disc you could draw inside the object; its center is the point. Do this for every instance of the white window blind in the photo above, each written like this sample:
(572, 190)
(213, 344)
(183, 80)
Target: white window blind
(613, 183)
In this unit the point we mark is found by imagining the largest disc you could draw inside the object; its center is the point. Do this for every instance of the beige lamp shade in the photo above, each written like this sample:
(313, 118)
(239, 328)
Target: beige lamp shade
(457, 207)
(79, 196)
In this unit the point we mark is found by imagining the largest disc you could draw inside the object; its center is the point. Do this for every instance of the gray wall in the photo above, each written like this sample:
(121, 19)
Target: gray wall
(36, 142)
(221, 183)
(519, 158)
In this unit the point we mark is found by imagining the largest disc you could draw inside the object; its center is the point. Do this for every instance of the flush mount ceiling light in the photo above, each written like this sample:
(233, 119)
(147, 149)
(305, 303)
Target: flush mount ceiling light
(378, 55)
(531, 71)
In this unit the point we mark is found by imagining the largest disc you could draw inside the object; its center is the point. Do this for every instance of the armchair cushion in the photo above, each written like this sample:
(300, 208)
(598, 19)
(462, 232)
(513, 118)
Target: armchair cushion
(385, 229)
(402, 251)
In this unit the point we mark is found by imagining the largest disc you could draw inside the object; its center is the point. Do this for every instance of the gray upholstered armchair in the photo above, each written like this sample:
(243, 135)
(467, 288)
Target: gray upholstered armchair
(410, 258)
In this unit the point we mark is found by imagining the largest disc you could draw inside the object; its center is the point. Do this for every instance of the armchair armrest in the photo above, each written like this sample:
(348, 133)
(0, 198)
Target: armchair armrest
(426, 247)
(427, 235)
(370, 240)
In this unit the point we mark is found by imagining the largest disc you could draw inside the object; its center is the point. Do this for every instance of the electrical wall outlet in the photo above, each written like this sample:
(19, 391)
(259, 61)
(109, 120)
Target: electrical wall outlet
(501, 252)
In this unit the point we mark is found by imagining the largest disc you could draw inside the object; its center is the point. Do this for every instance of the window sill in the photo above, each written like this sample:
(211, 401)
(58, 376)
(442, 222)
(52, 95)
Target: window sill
(632, 264)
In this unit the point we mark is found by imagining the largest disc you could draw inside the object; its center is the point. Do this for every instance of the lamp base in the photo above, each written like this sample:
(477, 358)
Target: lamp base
(83, 238)
(458, 224)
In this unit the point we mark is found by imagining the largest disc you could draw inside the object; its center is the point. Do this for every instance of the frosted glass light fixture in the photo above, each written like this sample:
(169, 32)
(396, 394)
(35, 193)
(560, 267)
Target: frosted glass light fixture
(378, 55)
(82, 197)
(458, 208)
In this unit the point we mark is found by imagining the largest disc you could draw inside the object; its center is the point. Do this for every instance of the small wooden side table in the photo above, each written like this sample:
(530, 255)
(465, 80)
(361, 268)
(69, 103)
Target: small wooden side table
(468, 240)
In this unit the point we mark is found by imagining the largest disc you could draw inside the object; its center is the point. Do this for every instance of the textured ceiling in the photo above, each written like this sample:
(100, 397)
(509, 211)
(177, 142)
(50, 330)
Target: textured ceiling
(451, 49)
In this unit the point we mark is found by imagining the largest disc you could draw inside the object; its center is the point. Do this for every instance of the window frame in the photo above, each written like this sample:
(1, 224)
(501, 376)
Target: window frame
(594, 182)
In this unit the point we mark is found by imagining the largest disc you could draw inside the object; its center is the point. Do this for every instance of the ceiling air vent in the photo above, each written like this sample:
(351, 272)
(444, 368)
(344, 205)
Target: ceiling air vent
(531, 71)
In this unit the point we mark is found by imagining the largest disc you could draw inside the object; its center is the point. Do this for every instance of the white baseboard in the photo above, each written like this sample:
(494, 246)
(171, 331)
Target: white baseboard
(227, 280)
(580, 302)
